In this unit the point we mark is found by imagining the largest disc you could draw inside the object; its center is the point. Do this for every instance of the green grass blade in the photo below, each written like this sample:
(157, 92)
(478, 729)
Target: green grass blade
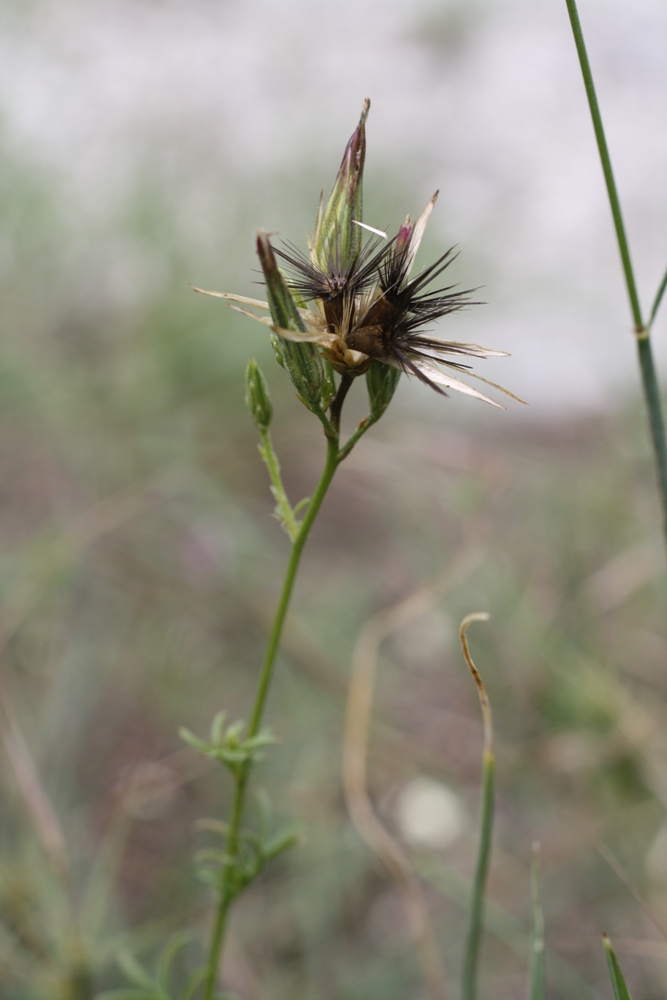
(471, 960)
(621, 991)
(658, 299)
(537, 962)
(605, 160)
(476, 926)
(649, 376)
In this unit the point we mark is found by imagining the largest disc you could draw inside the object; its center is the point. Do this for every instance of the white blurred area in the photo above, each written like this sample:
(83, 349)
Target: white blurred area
(221, 103)
(429, 814)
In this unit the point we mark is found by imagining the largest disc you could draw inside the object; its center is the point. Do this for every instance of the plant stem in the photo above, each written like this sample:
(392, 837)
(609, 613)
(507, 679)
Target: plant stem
(476, 925)
(605, 160)
(646, 363)
(227, 888)
(658, 299)
(338, 400)
(537, 970)
(471, 960)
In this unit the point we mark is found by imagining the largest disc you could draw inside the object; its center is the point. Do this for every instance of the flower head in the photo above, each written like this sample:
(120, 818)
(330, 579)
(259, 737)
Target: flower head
(356, 301)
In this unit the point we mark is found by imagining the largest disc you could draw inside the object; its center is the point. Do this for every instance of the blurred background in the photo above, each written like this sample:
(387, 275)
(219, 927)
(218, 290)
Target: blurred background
(142, 145)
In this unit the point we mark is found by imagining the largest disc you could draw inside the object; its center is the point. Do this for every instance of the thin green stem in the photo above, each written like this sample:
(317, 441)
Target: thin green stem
(605, 160)
(471, 959)
(337, 402)
(655, 418)
(658, 299)
(646, 362)
(476, 926)
(365, 425)
(290, 575)
(537, 969)
(227, 887)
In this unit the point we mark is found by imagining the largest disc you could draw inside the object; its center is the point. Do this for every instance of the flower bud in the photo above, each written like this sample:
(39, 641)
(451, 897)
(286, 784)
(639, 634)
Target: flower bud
(257, 397)
(337, 238)
(381, 382)
(302, 361)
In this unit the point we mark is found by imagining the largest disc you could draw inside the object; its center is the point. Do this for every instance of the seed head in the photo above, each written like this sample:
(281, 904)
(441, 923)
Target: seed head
(354, 305)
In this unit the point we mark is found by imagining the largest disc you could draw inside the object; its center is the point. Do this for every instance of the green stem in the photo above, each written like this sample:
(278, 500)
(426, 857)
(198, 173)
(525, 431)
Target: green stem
(605, 160)
(471, 960)
(658, 299)
(537, 970)
(336, 404)
(646, 363)
(365, 425)
(655, 418)
(264, 683)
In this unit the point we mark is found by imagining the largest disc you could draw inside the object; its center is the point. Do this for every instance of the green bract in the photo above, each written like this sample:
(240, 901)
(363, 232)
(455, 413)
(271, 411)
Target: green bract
(257, 396)
(337, 237)
(302, 361)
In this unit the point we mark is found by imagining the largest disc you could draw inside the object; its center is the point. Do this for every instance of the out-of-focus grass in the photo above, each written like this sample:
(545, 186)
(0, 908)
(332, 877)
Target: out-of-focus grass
(138, 569)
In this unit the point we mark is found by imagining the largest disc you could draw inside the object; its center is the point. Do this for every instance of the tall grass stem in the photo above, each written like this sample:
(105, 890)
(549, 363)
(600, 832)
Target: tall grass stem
(537, 963)
(646, 362)
(476, 926)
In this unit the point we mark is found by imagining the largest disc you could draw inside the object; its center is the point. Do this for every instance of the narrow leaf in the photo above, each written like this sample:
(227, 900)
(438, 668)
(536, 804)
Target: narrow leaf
(621, 991)
(537, 964)
(658, 299)
(124, 994)
(166, 960)
(135, 971)
(476, 926)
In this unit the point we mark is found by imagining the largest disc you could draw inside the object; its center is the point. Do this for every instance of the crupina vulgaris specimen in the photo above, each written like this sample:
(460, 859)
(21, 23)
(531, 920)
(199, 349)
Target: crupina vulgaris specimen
(346, 308)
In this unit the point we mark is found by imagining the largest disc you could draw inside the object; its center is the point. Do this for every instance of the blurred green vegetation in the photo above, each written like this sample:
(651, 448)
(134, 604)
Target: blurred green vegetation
(139, 567)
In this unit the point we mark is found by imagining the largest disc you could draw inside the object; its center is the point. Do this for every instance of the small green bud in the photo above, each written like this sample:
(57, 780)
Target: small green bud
(302, 361)
(257, 397)
(381, 382)
(337, 237)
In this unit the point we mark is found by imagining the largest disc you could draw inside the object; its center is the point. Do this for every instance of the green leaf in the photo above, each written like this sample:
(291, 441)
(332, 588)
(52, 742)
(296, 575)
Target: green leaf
(537, 964)
(265, 738)
(279, 844)
(193, 983)
(218, 727)
(166, 960)
(208, 876)
(195, 742)
(135, 971)
(469, 989)
(621, 991)
(233, 734)
(124, 994)
(658, 299)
